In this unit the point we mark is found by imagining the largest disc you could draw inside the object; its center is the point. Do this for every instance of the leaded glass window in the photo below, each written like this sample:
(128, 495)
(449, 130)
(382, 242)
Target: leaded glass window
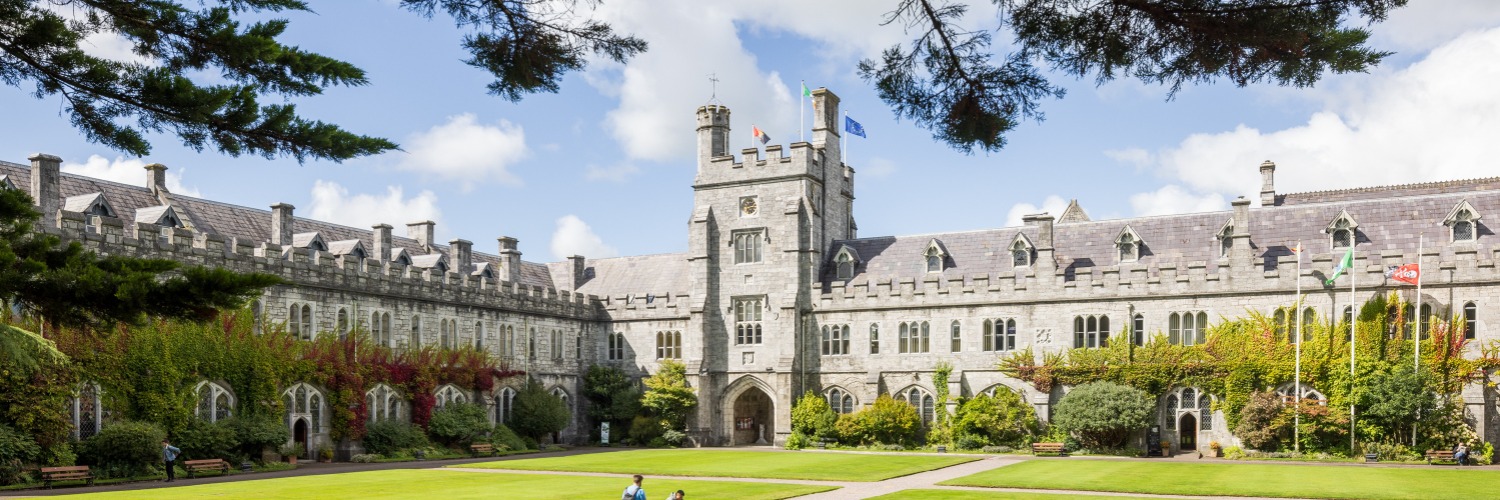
(214, 402)
(747, 318)
(1171, 412)
(1205, 405)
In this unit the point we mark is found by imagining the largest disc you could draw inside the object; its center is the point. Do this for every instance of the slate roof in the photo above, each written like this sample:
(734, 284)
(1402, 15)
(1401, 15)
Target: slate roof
(1389, 222)
(659, 274)
(251, 224)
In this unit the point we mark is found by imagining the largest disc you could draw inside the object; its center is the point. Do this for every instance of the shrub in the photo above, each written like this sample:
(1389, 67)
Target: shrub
(997, 449)
(503, 436)
(1234, 453)
(643, 429)
(888, 421)
(1104, 414)
(1261, 422)
(200, 439)
(797, 440)
(457, 424)
(970, 442)
(124, 449)
(813, 417)
(16, 451)
(529, 444)
(364, 458)
(657, 442)
(389, 436)
(259, 433)
(538, 413)
(849, 429)
(893, 447)
(614, 396)
(1000, 419)
(673, 437)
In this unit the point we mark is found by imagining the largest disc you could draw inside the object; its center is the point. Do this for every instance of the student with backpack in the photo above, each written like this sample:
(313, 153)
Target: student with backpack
(635, 491)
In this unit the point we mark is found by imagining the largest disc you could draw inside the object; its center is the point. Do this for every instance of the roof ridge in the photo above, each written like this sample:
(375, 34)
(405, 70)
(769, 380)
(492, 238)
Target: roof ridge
(1392, 187)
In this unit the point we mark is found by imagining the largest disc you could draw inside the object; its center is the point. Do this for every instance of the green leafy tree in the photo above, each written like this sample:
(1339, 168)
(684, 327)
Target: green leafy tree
(1002, 419)
(948, 80)
(124, 449)
(528, 45)
(812, 416)
(887, 421)
(458, 424)
(1395, 401)
(537, 412)
(614, 397)
(1262, 421)
(1104, 414)
(668, 396)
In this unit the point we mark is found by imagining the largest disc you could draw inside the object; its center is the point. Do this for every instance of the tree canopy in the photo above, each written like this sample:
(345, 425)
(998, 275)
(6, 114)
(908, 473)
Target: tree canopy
(949, 79)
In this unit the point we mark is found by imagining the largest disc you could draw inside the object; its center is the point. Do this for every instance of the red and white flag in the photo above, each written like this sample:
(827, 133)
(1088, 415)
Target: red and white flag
(1408, 273)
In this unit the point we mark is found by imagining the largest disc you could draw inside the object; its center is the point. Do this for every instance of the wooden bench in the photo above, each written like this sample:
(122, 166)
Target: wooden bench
(478, 449)
(207, 465)
(1053, 448)
(1436, 456)
(75, 473)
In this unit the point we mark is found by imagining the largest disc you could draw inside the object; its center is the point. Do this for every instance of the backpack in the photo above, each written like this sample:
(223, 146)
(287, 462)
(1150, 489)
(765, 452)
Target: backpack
(633, 492)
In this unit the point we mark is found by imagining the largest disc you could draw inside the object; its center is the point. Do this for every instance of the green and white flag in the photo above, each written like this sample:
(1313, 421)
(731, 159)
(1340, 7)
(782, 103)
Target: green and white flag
(1344, 264)
(805, 92)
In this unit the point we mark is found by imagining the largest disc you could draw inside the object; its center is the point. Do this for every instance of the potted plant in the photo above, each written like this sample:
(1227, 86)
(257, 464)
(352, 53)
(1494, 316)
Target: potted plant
(291, 451)
(1166, 448)
(1214, 450)
(325, 454)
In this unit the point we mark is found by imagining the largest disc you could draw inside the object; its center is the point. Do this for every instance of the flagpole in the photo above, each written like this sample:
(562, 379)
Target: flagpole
(1297, 418)
(844, 140)
(1416, 358)
(1353, 318)
(802, 113)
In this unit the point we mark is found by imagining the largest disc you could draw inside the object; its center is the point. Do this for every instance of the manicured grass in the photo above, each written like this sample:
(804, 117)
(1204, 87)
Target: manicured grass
(734, 463)
(988, 495)
(1240, 479)
(455, 485)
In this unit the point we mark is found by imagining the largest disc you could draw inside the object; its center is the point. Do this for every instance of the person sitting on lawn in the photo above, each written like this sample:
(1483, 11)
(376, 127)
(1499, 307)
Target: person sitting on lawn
(678, 495)
(1461, 453)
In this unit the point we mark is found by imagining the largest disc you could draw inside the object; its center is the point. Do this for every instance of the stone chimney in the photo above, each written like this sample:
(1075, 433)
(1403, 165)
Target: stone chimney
(156, 178)
(826, 124)
(461, 256)
(1267, 184)
(510, 260)
(45, 190)
(576, 269)
(382, 241)
(713, 132)
(281, 224)
(1046, 262)
(422, 232)
(1239, 246)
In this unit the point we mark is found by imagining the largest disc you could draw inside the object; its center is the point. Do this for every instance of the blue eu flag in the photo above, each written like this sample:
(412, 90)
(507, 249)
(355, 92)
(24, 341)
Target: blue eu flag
(854, 127)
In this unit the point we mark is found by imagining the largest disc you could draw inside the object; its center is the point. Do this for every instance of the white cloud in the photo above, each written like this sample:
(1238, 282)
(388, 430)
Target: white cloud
(333, 203)
(1425, 24)
(1432, 120)
(615, 173)
(691, 40)
(1172, 199)
(132, 172)
(574, 237)
(1053, 205)
(879, 168)
(462, 149)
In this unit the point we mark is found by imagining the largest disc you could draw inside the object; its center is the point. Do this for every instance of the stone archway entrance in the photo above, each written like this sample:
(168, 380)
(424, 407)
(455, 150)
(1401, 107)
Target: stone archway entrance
(1187, 428)
(299, 436)
(754, 418)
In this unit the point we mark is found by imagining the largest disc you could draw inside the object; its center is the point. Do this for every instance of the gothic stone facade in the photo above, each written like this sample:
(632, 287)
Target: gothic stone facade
(777, 295)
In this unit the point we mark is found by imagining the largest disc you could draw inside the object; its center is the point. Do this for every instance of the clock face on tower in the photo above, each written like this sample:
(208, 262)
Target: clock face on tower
(747, 206)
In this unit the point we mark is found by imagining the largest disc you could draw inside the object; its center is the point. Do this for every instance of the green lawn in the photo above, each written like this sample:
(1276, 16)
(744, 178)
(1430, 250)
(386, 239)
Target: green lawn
(1240, 479)
(988, 495)
(453, 485)
(734, 463)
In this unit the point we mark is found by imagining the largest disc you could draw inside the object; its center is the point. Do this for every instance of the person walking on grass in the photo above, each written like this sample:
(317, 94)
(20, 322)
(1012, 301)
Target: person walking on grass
(169, 459)
(635, 491)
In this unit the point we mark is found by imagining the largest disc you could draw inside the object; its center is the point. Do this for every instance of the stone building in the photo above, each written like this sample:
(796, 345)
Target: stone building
(777, 294)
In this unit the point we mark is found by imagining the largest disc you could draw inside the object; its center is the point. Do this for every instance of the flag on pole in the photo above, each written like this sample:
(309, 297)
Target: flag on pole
(759, 134)
(853, 127)
(1344, 265)
(805, 92)
(1408, 273)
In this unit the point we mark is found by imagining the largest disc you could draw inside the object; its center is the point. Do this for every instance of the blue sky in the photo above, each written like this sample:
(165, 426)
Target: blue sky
(605, 166)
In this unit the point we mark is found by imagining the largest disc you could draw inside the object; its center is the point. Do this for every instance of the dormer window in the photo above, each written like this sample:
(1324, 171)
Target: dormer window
(310, 241)
(484, 270)
(1341, 230)
(845, 262)
(348, 248)
(433, 261)
(1129, 244)
(399, 256)
(5, 182)
(1226, 238)
(1463, 223)
(934, 256)
(163, 216)
(1020, 251)
(89, 204)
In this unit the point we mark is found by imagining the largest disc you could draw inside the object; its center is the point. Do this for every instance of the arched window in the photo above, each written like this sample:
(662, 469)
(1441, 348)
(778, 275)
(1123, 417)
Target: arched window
(416, 332)
(449, 394)
(1226, 239)
(307, 322)
(384, 403)
(840, 400)
(1279, 322)
(557, 345)
(504, 405)
(1463, 223)
(999, 335)
(1341, 231)
(562, 395)
(844, 264)
(1129, 245)
(1309, 316)
(934, 260)
(445, 334)
(531, 345)
(1171, 413)
(385, 330)
(616, 346)
(669, 345)
(479, 335)
(904, 338)
(1138, 329)
(920, 400)
(304, 401)
(343, 322)
(1205, 405)
(87, 411)
(1187, 328)
(956, 338)
(1091, 331)
(294, 320)
(1348, 314)
(874, 338)
(214, 401)
(1310, 395)
(1188, 400)
(1471, 316)
(1020, 252)
(835, 340)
